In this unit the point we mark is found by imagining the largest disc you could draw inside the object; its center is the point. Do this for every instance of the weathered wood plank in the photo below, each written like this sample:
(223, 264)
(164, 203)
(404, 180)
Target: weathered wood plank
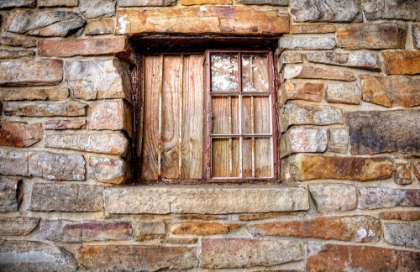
(263, 157)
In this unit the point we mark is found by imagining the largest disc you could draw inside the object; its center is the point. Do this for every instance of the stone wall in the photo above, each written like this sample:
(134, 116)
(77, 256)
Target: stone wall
(349, 111)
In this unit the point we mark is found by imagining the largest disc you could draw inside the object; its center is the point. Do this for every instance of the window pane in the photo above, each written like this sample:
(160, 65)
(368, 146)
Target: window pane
(255, 73)
(224, 73)
(256, 115)
(225, 114)
(225, 158)
(263, 158)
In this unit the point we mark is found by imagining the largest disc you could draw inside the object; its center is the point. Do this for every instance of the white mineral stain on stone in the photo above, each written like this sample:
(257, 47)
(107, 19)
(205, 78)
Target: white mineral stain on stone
(123, 24)
(361, 233)
(203, 8)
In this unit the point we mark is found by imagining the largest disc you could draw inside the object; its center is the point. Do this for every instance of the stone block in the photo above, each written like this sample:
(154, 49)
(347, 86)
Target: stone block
(149, 230)
(383, 197)
(58, 3)
(15, 54)
(110, 115)
(304, 114)
(84, 231)
(136, 257)
(303, 140)
(400, 215)
(289, 57)
(361, 60)
(202, 229)
(205, 2)
(34, 256)
(262, 216)
(302, 90)
(17, 226)
(415, 28)
(7, 4)
(18, 42)
(108, 143)
(222, 253)
(98, 79)
(307, 43)
(373, 132)
(401, 62)
(64, 124)
(344, 93)
(264, 2)
(96, 8)
(313, 72)
(391, 91)
(417, 170)
(66, 198)
(343, 228)
(44, 23)
(372, 36)
(326, 197)
(390, 9)
(402, 174)
(39, 93)
(9, 194)
(312, 28)
(308, 167)
(238, 20)
(338, 140)
(54, 166)
(402, 234)
(20, 134)
(146, 3)
(14, 162)
(100, 26)
(328, 257)
(323, 10)
(204, 200)
(45, 109)
(24, 72)
(109, 170)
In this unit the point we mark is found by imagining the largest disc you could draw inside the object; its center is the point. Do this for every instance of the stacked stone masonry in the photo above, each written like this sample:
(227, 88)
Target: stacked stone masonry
(347, 196)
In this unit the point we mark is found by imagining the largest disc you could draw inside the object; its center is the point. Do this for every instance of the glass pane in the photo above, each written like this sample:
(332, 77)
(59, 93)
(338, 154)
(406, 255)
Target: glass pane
(255, 73)
(263, 158)
(224, 73)
(256, 115)
(225, 115)
(225, 158)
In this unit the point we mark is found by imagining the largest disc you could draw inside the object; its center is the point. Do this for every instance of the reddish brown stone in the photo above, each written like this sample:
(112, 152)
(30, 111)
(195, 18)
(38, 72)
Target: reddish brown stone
(203, 20)
(303, 90)
(18, 94)
(64, 124)
(17, 226)
(372, 36)
(10, 196)
(15, 54)
(400, 215)
(100, 26)
(251, 217)
(351, 258)
(402, 62)
(312, 28)
(203, 228)
(417, 170)
(402, 174)
(146, 3)
(46, 109)
(345, 228)
(20, 134)
(111, 115)
(18, 42)
(202, 217)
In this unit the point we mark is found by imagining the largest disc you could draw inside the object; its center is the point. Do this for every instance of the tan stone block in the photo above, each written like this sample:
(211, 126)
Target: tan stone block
(402, 234)
(45, 109)
(20, 134)
(400, 215)
(303, 140)
(17, 94)
(303, 90)
(10, 197)
(109, 170)
(14, 162)
(312, 72)
(360, 60)
(18, 42)
(57, 3)
(338, 140)
(17, 226)
(64, 124)
(289, 57)
(401, 62)
(203, 229)
(205, 2)
(149, 230)
(146, 3)
(323, 10)
(307, 43)
(15, 54)
(402, 174)
(344, 93)
(384, 197)
(326, 200)
(312, 28)
(416, 35)
(240, 20)
(100, 26)
(417, 170)
(259, 216)
(111, 115)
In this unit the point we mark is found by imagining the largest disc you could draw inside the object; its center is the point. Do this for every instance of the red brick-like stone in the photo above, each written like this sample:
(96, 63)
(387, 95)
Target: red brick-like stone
(20, 134)
(110, 114)
(345, 228)
(402, 174)
(17, 226)
(203, 20)
(401, 62)
(400, 215)
(9, 194)
(303, 90)
(203, 228)
(357, 258)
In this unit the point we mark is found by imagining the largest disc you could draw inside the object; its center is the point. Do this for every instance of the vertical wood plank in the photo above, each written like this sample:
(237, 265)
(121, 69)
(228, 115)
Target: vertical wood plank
(263, 160)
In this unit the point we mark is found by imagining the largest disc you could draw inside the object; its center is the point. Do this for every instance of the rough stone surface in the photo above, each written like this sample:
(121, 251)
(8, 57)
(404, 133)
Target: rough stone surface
(391, 91)
(84, 231)
(360, 60)
(312, 28)
(44, 23)
(402, 174)
(18, 42)
(98, 79)
(146, 3)
(53, 166)
(34, 256)
(14, 162)
(241, 20)
(64, 124)
(326, 200)
(57, 3)
(307, 43)
(344, 228)
(205, 2)
(401, 62)
(109, 143)
(136, 258)
(303, 140)
(306, 167)
(30, 71)
(323, 10)
(100, 26)
(338, 140)
(109, 170)
(204, 200)
(402, 234)
(96, 8)
(301, 114)
(344, 93)
(400, 215)
(6, 4)
(15, 54)
(111, 115)
(66, 198)
(9, 194)
(45, 109)
(203, 229)
(383, 197)
(357, 258)
(18, 94)
(374, 132)
(416, 35)
(241, 253)
(297, 90)
(149, 230)
(289, 57)
(20, 134)
(262, 216)
(265, 2)
(391, 9)
(313, 72)
(17, 226)
(83, 47)
(372, 36)
(417, 170)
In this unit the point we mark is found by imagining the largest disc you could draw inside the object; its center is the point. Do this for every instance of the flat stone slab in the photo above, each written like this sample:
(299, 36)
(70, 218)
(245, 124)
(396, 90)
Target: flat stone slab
(204, 199)
(15, 226)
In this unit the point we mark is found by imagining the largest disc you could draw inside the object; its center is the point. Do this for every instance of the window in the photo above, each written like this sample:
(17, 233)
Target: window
(207, 116)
